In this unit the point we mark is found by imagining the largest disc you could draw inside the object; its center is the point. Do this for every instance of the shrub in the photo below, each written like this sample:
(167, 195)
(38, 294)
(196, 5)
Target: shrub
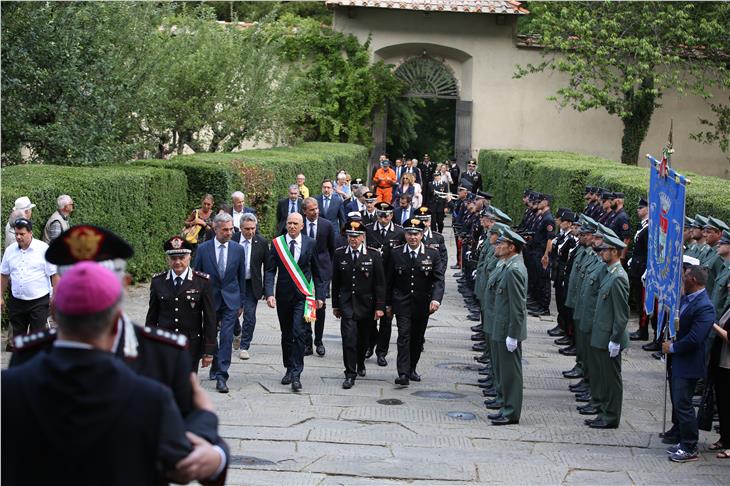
(507, 173)
(139, 203)
(265, 174)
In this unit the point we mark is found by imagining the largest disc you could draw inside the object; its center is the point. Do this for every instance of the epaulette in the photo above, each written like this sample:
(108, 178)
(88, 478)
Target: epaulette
(163, 336)
(34, 339)
(201, 274)
(436, 232)
(160, 274)
(399, 246)
(341, 248)
(370, 248)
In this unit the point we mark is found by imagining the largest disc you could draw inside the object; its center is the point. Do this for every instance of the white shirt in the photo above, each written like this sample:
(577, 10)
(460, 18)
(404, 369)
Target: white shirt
(420, 249)
(309, 225)
(187, 274)
(297, 245)
(218, 245)
(236, 218)
(28, 270)
(248, 255)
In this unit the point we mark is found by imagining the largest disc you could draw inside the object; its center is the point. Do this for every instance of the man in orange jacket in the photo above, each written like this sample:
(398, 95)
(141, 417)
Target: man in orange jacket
(384, 180)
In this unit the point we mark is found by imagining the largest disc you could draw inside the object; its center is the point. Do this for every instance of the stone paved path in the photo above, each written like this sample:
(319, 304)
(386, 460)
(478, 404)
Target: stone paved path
(326, 435)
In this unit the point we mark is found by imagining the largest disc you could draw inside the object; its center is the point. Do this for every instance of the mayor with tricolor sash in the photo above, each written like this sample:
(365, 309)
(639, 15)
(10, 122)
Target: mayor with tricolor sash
(299, 293)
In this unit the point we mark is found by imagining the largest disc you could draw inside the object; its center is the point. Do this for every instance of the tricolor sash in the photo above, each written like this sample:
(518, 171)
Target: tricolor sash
(305, 287)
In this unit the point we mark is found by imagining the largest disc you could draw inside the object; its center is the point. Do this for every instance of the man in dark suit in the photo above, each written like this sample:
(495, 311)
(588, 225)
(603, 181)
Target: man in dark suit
(412, 168)
(238, 209)
(357, 203)
(291, 204)
(687, 363)
(404, 211)
(358, 297)
(256, 249)
(181, 300)
(331, 206)
(102, 411)
(225, 262)
(415, 289)
(323, 233)
(369, 216)
(293, 256)
(455, 172)
(637, 267)
(472, 177)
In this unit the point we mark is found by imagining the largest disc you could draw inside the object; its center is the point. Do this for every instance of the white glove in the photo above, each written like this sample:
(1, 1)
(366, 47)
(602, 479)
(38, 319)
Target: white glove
(467, 254)
(511, 344)
(613, 349)
(474, 274)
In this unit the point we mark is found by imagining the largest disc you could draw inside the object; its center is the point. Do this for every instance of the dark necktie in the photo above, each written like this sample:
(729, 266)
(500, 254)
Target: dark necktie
(311, 230)
(384, 232)
(292, 207)
(354, 256)
(178, 283)
(292, 244)
(326, 204)
(413, 257)
(221, 260)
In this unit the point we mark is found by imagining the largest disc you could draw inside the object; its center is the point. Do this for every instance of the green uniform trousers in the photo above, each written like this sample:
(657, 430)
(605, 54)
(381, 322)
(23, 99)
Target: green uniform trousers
(612, 393)
(510, 377)
(496, 378)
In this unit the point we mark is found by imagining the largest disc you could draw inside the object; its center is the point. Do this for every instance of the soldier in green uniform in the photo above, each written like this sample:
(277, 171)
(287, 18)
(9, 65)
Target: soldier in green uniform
(714, 263)
(510, 325)
(699, 248)
(609, 336)
(720, 294)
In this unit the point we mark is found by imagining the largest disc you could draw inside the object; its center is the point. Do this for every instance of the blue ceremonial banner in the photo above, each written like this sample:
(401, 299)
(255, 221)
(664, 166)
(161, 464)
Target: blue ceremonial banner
(666, 220)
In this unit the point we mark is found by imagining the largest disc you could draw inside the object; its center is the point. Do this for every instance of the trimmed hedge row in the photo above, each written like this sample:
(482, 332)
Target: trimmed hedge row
(265, 174)
(141, 204)
(507, 173)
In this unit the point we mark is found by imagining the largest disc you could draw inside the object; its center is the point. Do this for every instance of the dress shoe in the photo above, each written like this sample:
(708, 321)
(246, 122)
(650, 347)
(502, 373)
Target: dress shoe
(457, 275)
(320, 350)
(455, 267)
(504, 421)
(296, 385)
(583, 397)
(415, 376)
(578, 388)
(481, 359)
(568, 351)
(539, 313)
(573, 374)
(657, 355)
(478, 336)
(477, 328)
(639, 335)
(474, 317)
(589, 411)
(308, 351)
(602, 424)
(221, 386)
(368, 353)
(485, 384)
(555, 332)
(382, 361)
(486, 379)
(348, 383)
(562, 341)
(494, 416)
(479, 347)
(402, 380)
(489, 392)
(590, 421)
(361, 371)
(485, 371)
(494, 405)
(286, 380)
(652, 346)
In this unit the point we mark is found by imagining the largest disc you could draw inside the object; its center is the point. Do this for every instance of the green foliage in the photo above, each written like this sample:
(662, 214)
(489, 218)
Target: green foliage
(141, 204)
(507, 173)
(257, 11)
(718, 130)
(622, 56)
(264, 175)
(336, 68)
(425, 126)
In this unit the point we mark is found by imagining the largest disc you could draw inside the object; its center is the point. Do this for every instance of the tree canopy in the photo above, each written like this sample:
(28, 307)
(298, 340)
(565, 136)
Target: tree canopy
(623, 56)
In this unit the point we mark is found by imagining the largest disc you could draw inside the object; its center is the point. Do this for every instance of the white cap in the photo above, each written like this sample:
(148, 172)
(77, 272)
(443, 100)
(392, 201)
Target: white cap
(23, 204)
(688, 260)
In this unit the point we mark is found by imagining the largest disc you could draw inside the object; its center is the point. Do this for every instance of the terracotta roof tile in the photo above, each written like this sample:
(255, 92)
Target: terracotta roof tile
(468, 6)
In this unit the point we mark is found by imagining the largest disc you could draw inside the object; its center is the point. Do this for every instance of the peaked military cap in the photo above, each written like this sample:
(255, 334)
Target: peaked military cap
(604, 231)
(715, 223)
(354, 228)
(611, 242)
(177, 245)
(700, 221)
(501, 216)
(369, 196)
(509, 236)
(414, 225)
(497, 228)
(465, 184)
(607, 195)
(423, 213)
(568, 215)
(484, 195)
(725, 238)
(618, 195)
(383, 207)
(87, 242)
(643, 203)
(688, 222)
(354, 216)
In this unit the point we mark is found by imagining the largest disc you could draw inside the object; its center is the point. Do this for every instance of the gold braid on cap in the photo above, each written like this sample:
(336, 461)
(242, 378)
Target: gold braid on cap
(84, 242)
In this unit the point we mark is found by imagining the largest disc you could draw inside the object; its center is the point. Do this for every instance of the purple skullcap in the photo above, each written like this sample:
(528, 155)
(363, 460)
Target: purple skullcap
(86, 288)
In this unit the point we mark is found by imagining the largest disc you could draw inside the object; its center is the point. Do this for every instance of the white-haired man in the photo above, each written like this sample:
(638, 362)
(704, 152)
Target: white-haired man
(58, 222)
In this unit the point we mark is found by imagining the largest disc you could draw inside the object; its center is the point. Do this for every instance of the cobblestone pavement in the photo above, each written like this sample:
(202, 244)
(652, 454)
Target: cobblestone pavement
(326, 435)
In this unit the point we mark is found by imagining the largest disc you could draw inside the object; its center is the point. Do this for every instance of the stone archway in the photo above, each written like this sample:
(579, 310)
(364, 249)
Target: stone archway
(429, 77)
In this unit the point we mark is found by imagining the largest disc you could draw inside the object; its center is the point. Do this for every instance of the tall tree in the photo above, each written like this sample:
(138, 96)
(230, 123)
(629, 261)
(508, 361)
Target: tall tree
(623, 56)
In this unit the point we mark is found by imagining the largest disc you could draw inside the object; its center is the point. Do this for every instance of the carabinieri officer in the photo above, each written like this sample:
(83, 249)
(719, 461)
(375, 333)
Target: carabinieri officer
(358, 297)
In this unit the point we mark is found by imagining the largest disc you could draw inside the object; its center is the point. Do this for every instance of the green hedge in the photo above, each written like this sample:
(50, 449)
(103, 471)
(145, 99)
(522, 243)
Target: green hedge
(507, 173)
(141, 204)
(265, 174)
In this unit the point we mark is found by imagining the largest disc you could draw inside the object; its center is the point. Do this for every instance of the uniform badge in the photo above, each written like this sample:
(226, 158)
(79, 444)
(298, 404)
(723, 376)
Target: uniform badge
(84, 242)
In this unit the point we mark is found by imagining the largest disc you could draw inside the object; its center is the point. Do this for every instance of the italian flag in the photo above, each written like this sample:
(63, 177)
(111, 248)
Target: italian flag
(305, 287)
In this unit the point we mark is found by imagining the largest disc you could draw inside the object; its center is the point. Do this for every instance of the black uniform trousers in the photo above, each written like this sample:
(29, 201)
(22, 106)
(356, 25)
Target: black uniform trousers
(293, 334)
(411, 331)
(380, 332)
(354, 343)
(25, 314)
(564, 313)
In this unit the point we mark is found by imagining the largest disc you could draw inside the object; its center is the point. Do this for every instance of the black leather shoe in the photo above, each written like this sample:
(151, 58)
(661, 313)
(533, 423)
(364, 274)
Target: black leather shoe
(639, 335)
(286, 380)
(657, 355)
(555, 332)
(504, 421)
(221, 386)
(478, 336)
(477, 328)
(361, 371)
(589, 411)
(602, 424)
(481, 359)
(583, 397)
(479, 347)
(486, 371)
(493, 405)
(382, 361)
(562, 341)
(455, 267)
(568, 351)
(494, 416)
(368, 353)
(402, 380)
(489, 392)
(652, 346)
(486, 379)
(348, 383)
(415, 376)
(539, 312)
(474, 317)
(579, 388)
(573, 374)
(486, 384)
(590, 421)
(296, 385)
(308, 351)
(320, 350)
